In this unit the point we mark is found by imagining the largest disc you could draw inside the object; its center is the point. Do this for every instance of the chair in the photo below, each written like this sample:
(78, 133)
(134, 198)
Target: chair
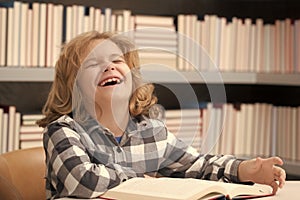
(22, 174)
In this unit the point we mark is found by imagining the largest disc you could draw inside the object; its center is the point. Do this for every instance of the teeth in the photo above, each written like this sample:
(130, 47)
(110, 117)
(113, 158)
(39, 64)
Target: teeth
(117, 80)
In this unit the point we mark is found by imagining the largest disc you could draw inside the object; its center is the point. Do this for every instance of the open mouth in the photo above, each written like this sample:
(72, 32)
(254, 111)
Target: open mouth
(111, 81)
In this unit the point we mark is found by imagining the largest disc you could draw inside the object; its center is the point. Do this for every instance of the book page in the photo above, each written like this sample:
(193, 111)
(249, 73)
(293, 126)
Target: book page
(248, 190)
(163, 189)
(181, 189)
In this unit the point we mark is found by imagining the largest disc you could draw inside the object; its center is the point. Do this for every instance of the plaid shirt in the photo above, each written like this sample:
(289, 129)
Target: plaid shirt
(84, 160)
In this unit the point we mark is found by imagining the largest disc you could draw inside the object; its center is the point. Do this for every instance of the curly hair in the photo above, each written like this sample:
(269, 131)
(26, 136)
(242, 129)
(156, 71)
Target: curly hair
(59, 101)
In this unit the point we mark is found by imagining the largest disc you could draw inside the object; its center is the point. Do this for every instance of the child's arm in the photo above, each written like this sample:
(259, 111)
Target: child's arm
(71, 170)
(263, 171)
(181, 160)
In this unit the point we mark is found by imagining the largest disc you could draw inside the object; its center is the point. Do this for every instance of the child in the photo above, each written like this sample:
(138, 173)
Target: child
(98, 132)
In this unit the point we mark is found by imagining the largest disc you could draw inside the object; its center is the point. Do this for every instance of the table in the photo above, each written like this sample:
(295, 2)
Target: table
(288, 192)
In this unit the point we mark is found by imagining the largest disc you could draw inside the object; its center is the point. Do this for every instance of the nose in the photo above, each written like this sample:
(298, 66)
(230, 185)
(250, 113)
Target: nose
(110, 67)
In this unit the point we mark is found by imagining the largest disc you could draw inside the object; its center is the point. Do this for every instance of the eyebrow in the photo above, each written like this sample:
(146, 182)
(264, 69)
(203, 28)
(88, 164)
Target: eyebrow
(112, 56)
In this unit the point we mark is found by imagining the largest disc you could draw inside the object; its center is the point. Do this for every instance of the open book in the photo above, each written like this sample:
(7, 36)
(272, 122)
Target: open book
(183, 189)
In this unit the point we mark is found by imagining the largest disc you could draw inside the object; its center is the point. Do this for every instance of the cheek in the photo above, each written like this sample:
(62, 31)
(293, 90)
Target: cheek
(86, 81)
(127, 73)
(124, 68)
(129, 80)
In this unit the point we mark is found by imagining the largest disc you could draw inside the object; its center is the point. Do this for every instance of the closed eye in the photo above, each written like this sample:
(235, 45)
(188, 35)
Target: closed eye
(118, 59)
(94, 65)
(91, 65)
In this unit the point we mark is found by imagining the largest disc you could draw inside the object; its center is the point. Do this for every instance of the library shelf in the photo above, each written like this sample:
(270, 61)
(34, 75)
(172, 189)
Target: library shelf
(278, 89)
(27, 74)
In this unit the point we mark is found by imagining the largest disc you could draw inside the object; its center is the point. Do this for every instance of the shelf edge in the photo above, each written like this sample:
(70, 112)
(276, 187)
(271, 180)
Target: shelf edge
(27, 74)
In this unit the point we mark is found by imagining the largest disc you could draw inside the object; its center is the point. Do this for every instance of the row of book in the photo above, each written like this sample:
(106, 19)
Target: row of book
(32, 34)
(10, 121)
(242, 45)
(30, 133)
(18, 131)
(239, 129)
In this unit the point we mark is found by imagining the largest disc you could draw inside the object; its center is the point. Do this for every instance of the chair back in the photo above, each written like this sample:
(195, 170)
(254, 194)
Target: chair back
(22, 174)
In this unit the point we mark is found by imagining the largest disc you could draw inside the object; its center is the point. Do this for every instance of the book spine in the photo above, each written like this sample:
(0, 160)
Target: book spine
(23, 33)
(3, 37)
(4, 141)
(16, 33)
(42, 35)
(49, 35)
(29, 39)
(2, 138)
(10, 38)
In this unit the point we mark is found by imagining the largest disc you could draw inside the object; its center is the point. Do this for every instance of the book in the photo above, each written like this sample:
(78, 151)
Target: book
(91, 16)
(223, 44)
(79, 21)
(259, 44)
(186, 125)
(29, 38)
(269, 31)
(3, 38)
(68, 23)
(35, 34)
(293, 133)
(30, 119)
(164, 21)
(17, 131)
(181, 31)
(288, 45)
(31, 129)
(183, 189)
(42, 35)
(10, 38)
(99, 20)
(49, 34)
(281, 46)
(57, 31)
(156, 38)
(122, 20)
(107, 19)
(24, 144)
(11, 127)
(252, 48)
(1, 127)
(226, 136)
(297, 45)
(160, 62)
(16, 34)
(233, 43)
(4, 132)
(298, 136)
(24, 9)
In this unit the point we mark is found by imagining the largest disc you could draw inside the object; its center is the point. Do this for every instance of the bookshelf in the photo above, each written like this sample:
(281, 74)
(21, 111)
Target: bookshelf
(267, 9)
(22, 74)
(243, 87)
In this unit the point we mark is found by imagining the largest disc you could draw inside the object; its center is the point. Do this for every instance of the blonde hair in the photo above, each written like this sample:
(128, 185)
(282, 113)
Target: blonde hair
(59, 101)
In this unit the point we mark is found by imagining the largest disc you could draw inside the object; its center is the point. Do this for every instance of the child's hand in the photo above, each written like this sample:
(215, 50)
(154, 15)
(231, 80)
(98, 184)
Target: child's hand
(147, 176)
(263, 171)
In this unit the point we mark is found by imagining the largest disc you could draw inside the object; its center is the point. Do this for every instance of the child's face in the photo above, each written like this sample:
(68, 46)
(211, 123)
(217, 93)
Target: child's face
(104, 77)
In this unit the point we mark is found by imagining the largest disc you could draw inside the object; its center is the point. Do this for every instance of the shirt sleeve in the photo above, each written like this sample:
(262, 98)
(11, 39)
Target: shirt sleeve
(70, 171)
(182, 160)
